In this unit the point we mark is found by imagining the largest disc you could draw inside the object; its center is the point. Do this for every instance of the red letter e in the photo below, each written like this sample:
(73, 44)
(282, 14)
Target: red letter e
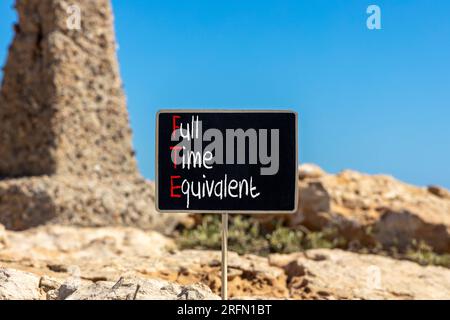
(172, 187)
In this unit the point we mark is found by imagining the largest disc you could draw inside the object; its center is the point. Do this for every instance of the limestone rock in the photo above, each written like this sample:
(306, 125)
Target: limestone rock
(439, 192)
(81, 201)
(67, 289)
(248, 275)
(3, 238)
(60, 262)
(18, 285)
(135, 289)
(336, 274)
(106, 254)
(375, 208)
(48, 284)
(310, 170)
(62, 244)
(66, 151)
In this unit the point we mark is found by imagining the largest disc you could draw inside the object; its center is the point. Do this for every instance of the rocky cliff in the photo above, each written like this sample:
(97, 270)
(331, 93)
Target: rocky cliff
(57, 262)
(374, 208)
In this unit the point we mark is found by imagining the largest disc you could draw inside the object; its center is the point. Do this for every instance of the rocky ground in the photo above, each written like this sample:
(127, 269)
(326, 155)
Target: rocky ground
(60, 262)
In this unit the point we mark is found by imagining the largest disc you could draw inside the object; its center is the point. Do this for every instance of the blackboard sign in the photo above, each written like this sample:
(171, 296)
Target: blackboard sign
(226, 161)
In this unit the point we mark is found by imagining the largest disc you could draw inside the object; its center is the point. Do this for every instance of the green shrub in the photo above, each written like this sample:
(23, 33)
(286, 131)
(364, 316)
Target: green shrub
(247, 235)
(422, 253)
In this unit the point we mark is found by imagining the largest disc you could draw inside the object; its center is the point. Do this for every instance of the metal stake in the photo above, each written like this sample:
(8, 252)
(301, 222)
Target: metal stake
(225, 256)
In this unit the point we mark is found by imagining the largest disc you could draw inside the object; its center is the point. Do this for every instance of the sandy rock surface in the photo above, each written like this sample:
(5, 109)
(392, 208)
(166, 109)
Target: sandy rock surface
(19, 285)
(60, 262)
(337, 274)
(15, 284)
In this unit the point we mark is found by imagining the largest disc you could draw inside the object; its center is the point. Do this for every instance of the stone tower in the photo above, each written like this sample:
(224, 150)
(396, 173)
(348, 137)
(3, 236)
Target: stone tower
(62, 108)
(65, 143)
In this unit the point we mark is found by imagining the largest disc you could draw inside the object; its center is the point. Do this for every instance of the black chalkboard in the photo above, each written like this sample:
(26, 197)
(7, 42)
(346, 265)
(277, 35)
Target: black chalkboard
(226, 161)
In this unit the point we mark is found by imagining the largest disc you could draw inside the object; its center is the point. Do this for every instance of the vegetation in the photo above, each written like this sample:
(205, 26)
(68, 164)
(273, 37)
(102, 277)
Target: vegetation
(248, 235)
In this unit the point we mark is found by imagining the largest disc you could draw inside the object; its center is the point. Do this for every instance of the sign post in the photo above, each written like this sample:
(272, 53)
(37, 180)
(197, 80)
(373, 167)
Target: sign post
(226, 161)
(225, 256)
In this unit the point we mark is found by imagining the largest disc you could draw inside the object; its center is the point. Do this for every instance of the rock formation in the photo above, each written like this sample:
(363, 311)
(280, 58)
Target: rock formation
(65, 149)
(63, 108)
(20, 285)
(61, 262)
(373, 208)
(337, 274)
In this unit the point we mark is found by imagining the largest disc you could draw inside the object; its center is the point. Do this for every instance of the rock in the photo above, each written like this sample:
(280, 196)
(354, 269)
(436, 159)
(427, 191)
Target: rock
(48, 284)
(106, 254)
(52, 295)
(62, 262)
(18, 285)
(3, 238)
(439, 192)
(66, 151)
(66, 289)
(310, 170)
(337, 274)
(64, 244)
(248, 275)
(136, 289)
(374, 209)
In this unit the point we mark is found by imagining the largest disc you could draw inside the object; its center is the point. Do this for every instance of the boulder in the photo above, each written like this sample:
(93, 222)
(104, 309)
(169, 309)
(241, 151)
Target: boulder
(114, 201)
(3, 238)
(136, 289)
(18, 285)
(337, 274)
(310, 170)
(439, 192)
(375, 208)
(248, 275)
(61, 245)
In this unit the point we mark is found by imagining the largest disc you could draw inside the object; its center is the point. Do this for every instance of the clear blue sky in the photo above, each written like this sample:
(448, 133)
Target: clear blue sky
(375, 101)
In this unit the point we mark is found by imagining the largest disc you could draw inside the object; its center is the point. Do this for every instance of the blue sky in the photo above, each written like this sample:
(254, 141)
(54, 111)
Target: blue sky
(376, 101)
